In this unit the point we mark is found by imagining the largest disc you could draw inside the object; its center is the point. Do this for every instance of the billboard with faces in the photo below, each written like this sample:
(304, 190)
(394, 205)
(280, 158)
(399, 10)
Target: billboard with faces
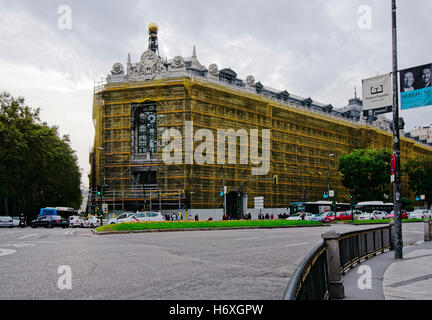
(415, 87)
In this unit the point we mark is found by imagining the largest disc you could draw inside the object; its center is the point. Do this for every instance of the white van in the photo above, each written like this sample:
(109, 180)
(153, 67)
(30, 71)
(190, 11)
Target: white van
(143, 216)
(76, 221)
(119, 217)
(92, 222)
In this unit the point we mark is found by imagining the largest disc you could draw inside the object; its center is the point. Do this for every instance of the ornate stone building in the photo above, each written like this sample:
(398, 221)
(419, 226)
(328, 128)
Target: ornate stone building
(138, 104)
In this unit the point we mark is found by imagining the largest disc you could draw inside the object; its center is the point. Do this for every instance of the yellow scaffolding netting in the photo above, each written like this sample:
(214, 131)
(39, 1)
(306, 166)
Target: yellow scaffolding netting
(301, 142)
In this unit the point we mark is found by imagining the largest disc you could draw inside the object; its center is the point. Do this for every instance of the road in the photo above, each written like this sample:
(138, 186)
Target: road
(231, 264)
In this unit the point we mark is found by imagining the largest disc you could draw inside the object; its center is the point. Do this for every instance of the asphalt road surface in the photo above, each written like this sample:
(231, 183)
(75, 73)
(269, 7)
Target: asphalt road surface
(232, 264)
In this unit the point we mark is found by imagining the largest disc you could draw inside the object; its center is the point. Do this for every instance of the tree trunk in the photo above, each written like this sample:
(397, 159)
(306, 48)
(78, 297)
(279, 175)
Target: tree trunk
(5, 204)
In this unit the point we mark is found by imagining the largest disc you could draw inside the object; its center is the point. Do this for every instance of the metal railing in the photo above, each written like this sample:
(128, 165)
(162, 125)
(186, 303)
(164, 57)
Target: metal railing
(358, 245)
(310, 281)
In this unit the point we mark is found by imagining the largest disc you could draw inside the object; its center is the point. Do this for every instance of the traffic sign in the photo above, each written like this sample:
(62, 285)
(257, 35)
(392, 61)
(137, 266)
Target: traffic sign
(393, 164)
(259, 202)
(105, 207)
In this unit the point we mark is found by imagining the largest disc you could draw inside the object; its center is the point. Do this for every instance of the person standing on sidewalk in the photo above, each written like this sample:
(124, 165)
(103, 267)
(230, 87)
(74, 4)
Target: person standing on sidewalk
(303, 215)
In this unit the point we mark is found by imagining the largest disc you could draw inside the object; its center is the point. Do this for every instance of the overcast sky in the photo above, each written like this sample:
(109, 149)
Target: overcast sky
(313, 48)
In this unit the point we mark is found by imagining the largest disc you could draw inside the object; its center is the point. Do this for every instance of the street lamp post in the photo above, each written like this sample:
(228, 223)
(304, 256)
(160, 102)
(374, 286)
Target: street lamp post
(328, 178)
(103, 187)
(396, 142)
(328, 174)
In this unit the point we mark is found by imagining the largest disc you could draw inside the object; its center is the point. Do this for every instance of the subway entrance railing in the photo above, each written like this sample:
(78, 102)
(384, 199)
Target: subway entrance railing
(319, 275)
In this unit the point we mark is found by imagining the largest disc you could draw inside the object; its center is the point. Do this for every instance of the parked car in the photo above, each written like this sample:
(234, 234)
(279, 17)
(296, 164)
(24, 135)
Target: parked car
(143, 216)
(316, 217)
(76, 221)
(92, 222)
(377, 214)
(16, 221)
(343, 215)
(419, 214)
(374, 215)
(298, 216)
(120, 216)
(6, 221)
(49, 222)
(327, 216)
(404, 215)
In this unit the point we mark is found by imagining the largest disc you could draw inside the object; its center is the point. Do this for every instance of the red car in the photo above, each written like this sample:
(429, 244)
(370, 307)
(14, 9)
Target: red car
(344, 215)
(404, 215)
(327, 217)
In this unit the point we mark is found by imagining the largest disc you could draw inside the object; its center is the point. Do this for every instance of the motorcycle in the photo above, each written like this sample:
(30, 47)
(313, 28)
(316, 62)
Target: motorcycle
(22, 221)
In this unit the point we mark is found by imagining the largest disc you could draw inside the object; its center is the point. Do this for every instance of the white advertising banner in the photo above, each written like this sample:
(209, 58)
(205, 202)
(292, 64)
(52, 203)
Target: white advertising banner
(377, 95)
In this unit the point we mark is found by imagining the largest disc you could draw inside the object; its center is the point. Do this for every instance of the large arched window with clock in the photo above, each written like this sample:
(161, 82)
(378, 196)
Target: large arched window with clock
(145, 130)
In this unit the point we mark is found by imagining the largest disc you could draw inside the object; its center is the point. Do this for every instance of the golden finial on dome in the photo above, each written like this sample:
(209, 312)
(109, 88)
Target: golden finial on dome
(153, 28)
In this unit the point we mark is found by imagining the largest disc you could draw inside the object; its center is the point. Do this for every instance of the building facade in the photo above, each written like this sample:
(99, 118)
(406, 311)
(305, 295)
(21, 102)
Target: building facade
(172, 133)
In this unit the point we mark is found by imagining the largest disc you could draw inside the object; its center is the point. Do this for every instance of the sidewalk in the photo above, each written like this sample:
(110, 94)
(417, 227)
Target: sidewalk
(409, 278)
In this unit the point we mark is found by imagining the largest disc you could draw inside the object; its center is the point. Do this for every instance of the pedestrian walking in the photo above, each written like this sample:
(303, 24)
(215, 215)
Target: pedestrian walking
(303, 215)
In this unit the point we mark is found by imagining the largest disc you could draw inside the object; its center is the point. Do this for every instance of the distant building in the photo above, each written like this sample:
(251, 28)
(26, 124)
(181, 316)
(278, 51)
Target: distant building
(424, 134)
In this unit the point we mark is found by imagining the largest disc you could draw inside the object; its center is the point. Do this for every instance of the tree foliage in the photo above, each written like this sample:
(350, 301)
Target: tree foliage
(38, 168)
(419, 171)
(366, 172)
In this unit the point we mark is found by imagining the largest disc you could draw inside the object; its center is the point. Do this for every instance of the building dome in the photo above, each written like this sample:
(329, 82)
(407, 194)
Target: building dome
(153, 28)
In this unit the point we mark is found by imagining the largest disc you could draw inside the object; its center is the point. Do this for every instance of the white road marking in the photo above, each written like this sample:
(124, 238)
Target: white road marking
(37, 241)
(5, 234)
(23, 245)
(295, 244)
(28, 236)
(5, 252)
(249, 238)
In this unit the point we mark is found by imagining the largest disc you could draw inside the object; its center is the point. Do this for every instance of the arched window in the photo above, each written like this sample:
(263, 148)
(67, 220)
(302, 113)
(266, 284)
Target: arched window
(145, 133)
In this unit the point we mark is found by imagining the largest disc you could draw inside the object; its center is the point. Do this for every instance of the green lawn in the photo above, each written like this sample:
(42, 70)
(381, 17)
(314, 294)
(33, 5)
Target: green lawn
(126, 226)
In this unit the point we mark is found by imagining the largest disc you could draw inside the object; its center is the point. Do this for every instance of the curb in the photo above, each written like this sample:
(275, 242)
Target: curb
(373, 223)
(202, 229)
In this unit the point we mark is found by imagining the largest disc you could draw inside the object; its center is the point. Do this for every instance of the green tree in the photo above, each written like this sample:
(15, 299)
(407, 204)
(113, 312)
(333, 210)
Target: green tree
(366, 172)
(37, 167)
(419, 171)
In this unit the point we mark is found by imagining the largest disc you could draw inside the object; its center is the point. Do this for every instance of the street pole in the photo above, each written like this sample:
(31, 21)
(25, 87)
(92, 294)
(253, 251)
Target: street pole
(396, 143)
(328, 181)
(328, 177)
(223, 188)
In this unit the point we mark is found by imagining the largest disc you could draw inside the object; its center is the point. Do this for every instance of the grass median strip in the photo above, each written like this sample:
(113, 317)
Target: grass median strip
(377, 221)
(129, 226)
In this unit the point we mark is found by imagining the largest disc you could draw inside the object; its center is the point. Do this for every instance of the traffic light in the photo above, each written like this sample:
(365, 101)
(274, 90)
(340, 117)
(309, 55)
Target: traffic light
(275, 179)
(222, 192)
(98, 190)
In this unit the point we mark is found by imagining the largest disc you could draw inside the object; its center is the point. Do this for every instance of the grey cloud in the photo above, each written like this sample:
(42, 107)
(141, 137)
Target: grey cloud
(311, 48)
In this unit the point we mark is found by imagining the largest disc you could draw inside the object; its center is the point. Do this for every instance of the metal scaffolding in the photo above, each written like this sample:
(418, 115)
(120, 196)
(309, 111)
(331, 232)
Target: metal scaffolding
(300, 143)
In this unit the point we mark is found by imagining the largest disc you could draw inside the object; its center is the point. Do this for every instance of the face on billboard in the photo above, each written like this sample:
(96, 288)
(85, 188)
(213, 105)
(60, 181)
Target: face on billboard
(415, 78)
(415, 87)
(426, 77)
(408, 81)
